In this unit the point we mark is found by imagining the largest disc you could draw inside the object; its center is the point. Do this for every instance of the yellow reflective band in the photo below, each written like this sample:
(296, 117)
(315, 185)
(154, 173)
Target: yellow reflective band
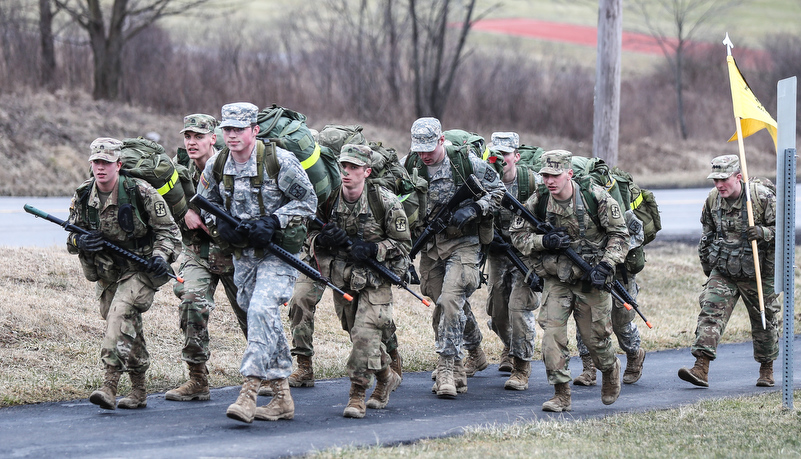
(164, 189)
(403, 198)
(309, 162)
(486, 154)
(636, 203)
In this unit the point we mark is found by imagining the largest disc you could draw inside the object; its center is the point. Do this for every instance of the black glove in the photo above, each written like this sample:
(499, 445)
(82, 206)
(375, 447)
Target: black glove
(235, 235)
(499, 244)
(556, 239)
(332, 237)
(92, 242)
(361, 250)
(262, 230)
(534, 282)
(599, 274)
(465, 215)
(755, 233)
(158, 266)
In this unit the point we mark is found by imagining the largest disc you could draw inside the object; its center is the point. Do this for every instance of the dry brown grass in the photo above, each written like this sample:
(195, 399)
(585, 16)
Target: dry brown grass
(50, 329)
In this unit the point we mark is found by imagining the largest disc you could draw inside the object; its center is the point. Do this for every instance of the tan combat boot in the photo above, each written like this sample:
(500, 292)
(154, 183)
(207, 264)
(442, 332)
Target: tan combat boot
(765, 375)
(106, 396)
(387, 381)
(610, 384)
(446, 387)
(265, 390)
(138, 396)
(634, 363)
(304, 375)
(281, 406)
(459, 376)
(476, 361)
(561, 399)
(244, 408)
(587, 377)
(699, 373)
(520, 373)
(507, 362)
(397, 363)
(356, 408)
(197, 388)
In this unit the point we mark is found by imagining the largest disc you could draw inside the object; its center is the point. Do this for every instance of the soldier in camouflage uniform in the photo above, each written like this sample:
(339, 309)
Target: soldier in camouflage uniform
(727, 258)
(204, 264)
(449, 261)
(280, 205)
(511, 300)
(379, 234)
(603, 244)
(131, 214)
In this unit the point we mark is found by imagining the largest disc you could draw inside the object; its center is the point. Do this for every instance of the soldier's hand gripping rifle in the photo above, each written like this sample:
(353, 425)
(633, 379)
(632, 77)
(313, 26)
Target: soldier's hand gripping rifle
(531, 278)
(381, 269)
(617, 289)
(471, 189)
(276, 250)
(77, 229)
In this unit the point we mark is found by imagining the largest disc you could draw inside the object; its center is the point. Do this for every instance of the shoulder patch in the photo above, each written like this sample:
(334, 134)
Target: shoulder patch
(297, 191)
(489, 174)
(161, 209)
(615, 209)
(400, 224)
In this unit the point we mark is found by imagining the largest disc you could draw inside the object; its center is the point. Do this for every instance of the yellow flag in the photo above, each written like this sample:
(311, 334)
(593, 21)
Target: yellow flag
(747, 109)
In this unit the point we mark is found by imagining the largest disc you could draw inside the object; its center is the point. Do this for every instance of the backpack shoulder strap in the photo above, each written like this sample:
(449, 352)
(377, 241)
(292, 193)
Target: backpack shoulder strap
(375, 202)
(525, 182)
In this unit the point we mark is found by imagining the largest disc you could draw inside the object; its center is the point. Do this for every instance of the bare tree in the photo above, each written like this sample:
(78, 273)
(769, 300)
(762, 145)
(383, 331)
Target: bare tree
(47, 66)
(107, 38)
(686, 19)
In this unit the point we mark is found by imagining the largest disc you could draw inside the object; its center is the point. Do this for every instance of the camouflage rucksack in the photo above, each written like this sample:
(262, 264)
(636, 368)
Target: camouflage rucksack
(388, 172)
(460, 137)
(147, 160)
(334, 136)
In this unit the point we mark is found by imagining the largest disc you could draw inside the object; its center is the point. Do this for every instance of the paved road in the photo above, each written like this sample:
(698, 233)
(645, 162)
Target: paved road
(192, 429)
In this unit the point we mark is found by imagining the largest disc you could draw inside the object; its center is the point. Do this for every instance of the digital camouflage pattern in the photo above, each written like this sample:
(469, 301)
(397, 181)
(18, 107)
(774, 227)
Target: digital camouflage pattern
(506, 142)
(726, 255)
(264, 283)
(106, 149)
(368, 318)
(200, 123)
(564, 292)
(623, 326)
(239, 115)
(123, 289)
(425, 134)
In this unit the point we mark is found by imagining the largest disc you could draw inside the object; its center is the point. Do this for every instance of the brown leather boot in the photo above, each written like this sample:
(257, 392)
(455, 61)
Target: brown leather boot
(386, 382)
(356, 408)
(610, 384)
(520, 373)
(476, 361)
(304, 375)
(507, 362)
(588, 375)
(244, 408)
(397, 363)
(197, 388)
(446, 387)
(634, 363)
(765, 375)
(281, 406)
(106, 396)
(699, 373)
(138, 396)
(561, 399)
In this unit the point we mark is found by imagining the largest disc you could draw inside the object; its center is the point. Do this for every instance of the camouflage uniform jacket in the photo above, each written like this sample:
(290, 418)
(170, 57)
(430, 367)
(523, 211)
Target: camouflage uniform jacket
(724, 244)
(156, 235)
(290, 197)
(441, 189)
(391, 235)
(608, 242)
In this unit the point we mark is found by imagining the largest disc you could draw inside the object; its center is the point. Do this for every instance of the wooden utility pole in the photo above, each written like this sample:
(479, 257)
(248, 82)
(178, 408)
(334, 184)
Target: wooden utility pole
(606, 117)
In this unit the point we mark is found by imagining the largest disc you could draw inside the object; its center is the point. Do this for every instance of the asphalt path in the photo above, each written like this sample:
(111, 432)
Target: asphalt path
(201, 429)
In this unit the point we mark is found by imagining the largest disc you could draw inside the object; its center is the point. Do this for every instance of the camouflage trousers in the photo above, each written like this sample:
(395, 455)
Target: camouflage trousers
(302, 307)
(511, 304)
(717, 303)
(197, 302)
(450, 282)
(623, 326)
(264, 284)
(591, 308)
(121, 306)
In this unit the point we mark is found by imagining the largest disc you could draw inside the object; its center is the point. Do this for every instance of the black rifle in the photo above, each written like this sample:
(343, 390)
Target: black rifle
(276, 250)
(77, 229)
(617, 289)
(381, 269)
(471, 189)
(532, 279)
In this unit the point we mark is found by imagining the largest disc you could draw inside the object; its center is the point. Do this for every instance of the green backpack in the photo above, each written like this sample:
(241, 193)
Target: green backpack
(288, 130)
(388, 172)
(147, 160)
(460, 137)
(335, 136)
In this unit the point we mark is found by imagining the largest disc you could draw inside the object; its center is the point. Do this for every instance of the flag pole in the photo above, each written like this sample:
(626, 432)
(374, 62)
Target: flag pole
(747, 190)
